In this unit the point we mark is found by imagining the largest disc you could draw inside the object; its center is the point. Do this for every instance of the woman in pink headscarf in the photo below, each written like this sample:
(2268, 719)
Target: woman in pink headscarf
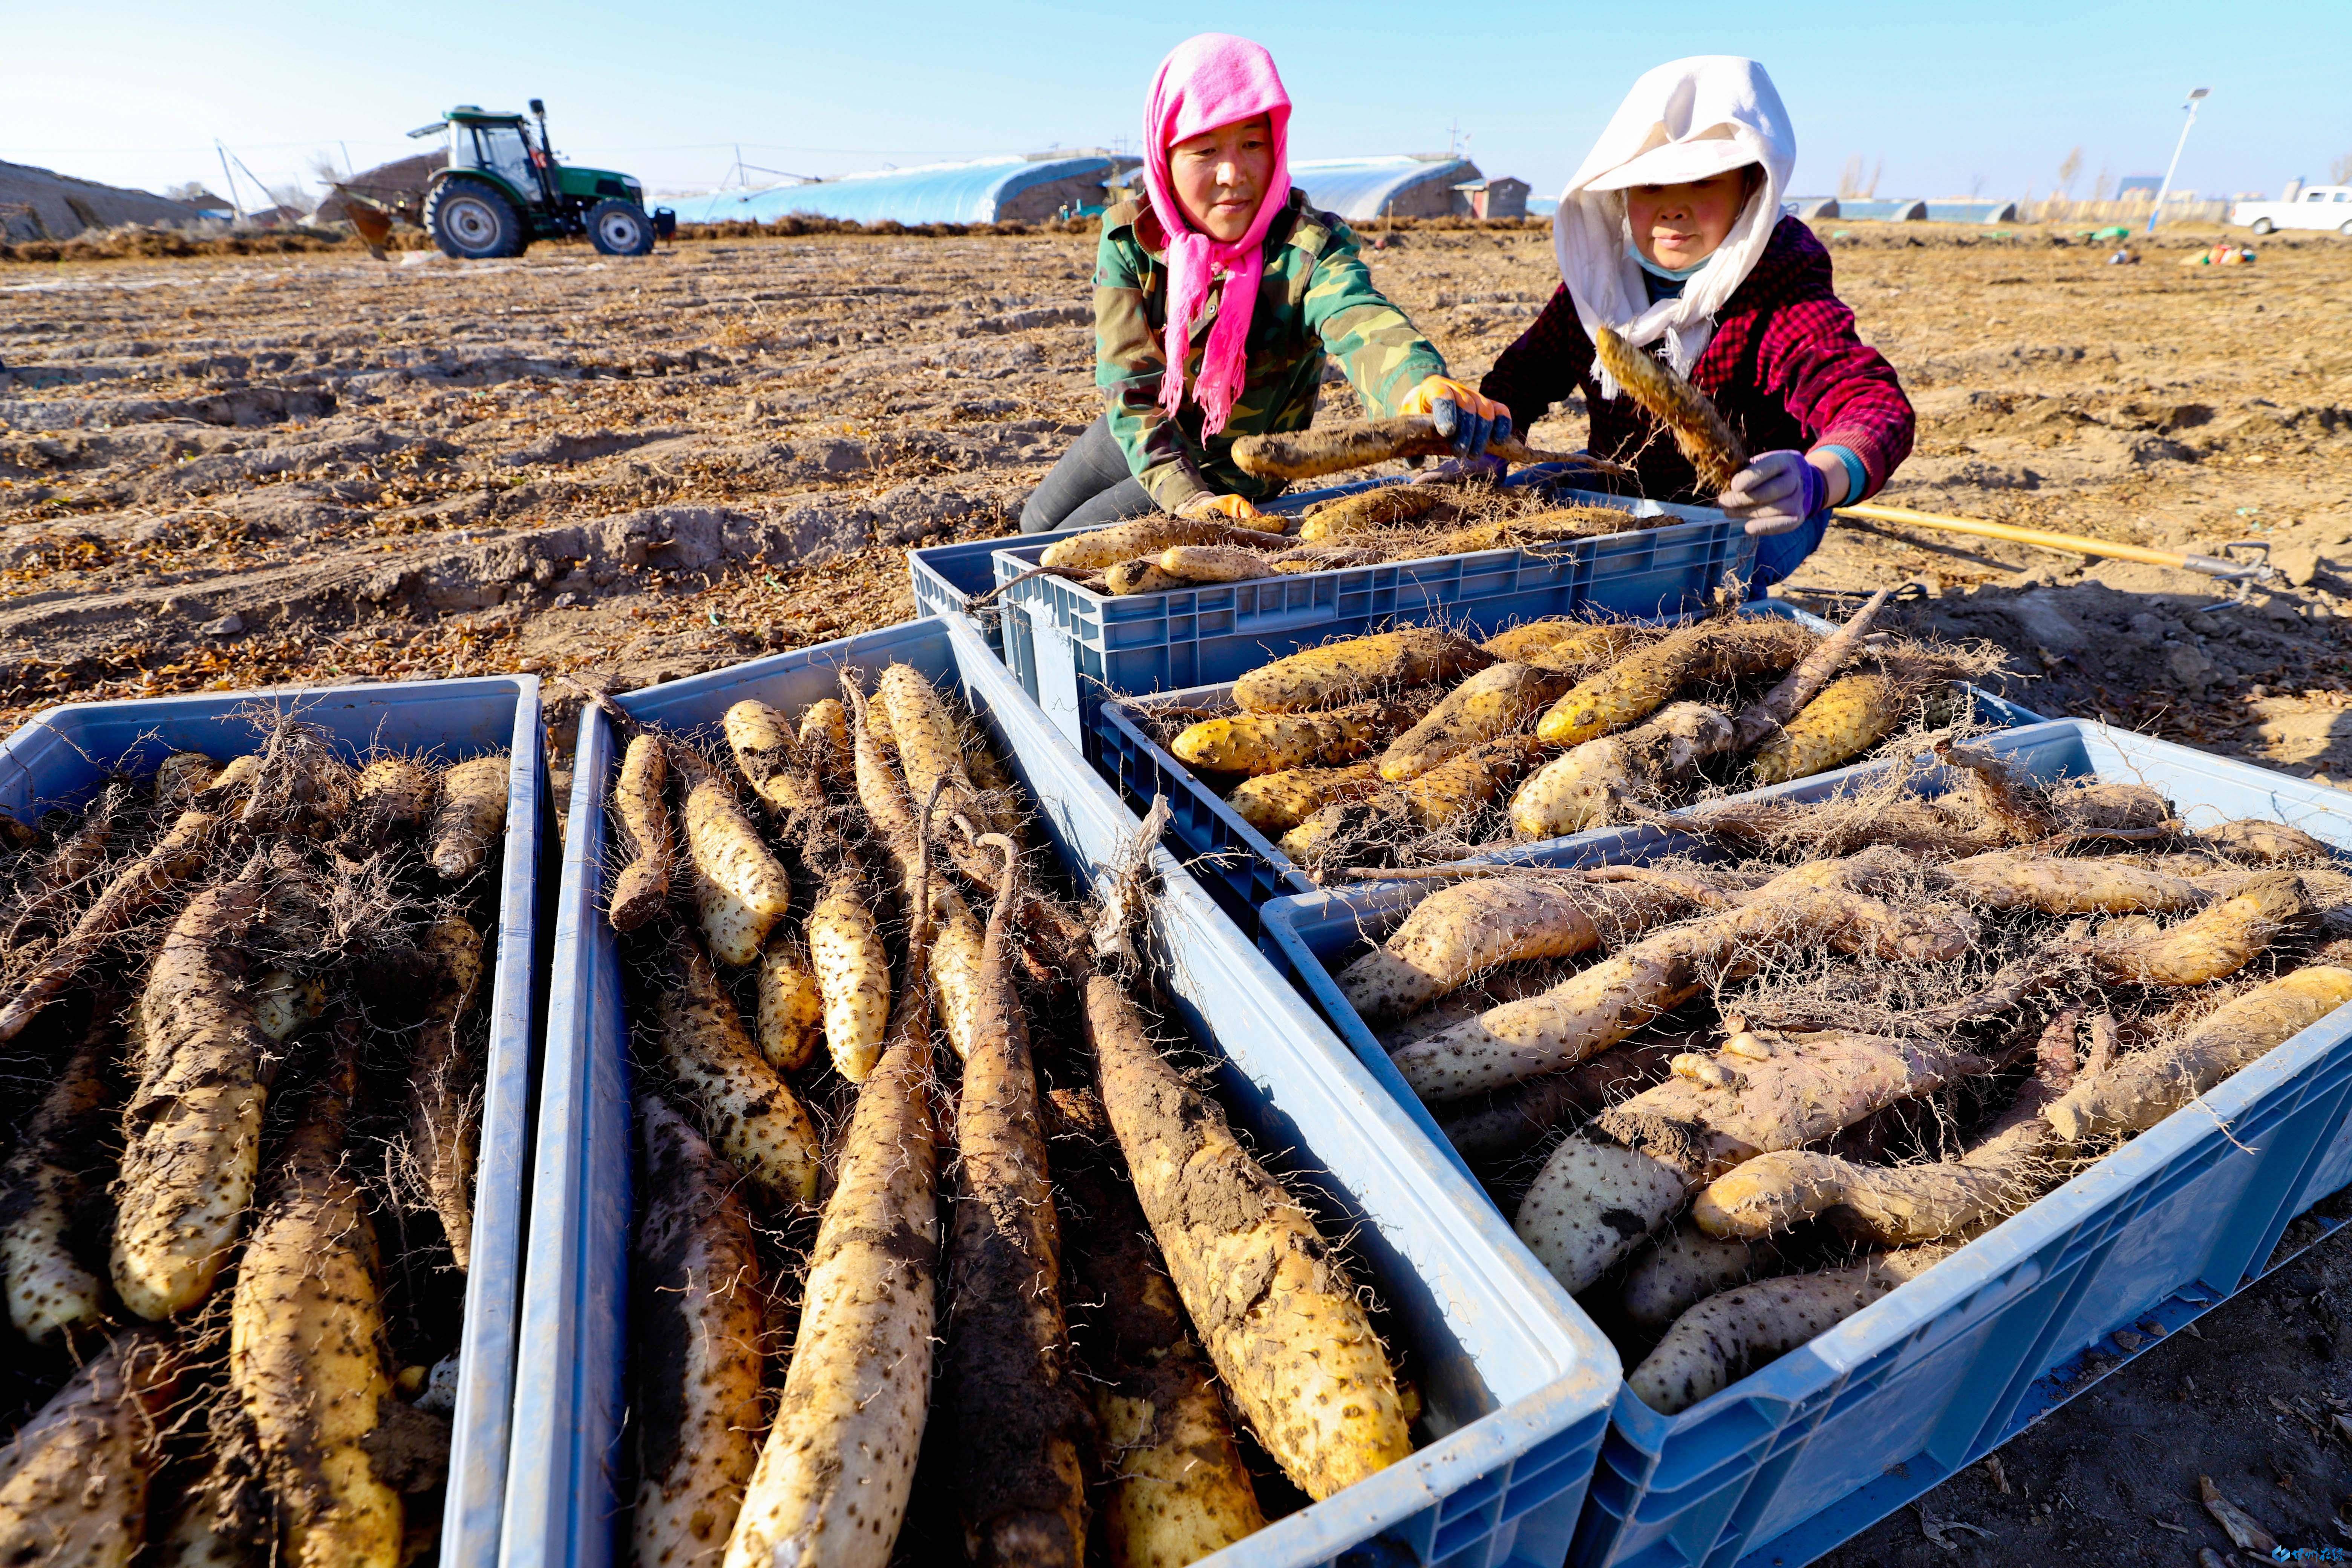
(1227, 271)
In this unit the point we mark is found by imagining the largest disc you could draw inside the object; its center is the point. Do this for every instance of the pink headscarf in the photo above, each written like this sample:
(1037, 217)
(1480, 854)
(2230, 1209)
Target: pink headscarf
(1208, 81)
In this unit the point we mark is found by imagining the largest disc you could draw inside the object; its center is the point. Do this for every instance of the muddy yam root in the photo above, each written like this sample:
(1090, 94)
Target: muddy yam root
(1642, 682)
(1124, 541)
(1688, 415)
(646, 836)
(74, 1479)
(1489, 705)
(740, 888)
(48, 1290)
(1382, 508)
(1253, 742)
(306, 1349)
(1344, 673)
(1276, 802)
(2143, 1088)
(696, 1322)
(193, 1128)
(473, 814)
(838, 1463)
(444, 1081)
(1278, 1317)
(748, 1111)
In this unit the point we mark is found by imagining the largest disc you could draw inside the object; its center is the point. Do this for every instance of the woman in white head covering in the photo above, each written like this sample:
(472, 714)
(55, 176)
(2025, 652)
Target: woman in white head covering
(1671, 234)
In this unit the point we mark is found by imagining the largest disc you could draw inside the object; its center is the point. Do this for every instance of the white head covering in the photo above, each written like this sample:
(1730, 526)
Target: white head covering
(1684, 121)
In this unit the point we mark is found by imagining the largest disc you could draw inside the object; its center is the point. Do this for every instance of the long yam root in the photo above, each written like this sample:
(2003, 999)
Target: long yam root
(1124, 541)
(2143, 1088)
(193, 1128)
(1489, 705)
(1450, 794)
(1573, 648)
(1021, 1422)
(306, 1346)
(393, 797)
(697, 1316)
(1687, 1267)
(74, 1479)
(1337, 674)
(2215, 943)
(1686, 413)
(179, 855)
(50, 1291)
(1825, 902)
(767, 753)
(646, 836)
(749, 1113)
(1725, 1337)
(1642, 682)
(1459, 933)
(1276, 802)
(444, 1081)
(1252, 742)
(1382, 508)
(1175, 1488)
(1278, 1317)
(740, 888)
(1334, 448)
(1854, 713)
(838, 1465)
(473, 814)
(789, 1020)
(1503, 1125)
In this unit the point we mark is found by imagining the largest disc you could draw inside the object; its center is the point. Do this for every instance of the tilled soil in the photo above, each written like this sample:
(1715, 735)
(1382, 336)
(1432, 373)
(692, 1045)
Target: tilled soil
(225, 473)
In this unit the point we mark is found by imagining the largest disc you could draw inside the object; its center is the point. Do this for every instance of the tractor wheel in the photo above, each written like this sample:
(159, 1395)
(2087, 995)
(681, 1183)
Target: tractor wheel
(473, 221)
(616, 228)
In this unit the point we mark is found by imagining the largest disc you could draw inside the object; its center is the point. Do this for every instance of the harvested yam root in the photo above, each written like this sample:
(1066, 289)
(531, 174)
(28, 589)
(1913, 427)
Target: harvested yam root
(790, 1017)
(306, 1356)
(1278, 1317)
(1641, 683)
(1020, 1420)
(749, 1114)
(473, 814)
(1507, 1123)
(73, 1483)
(395, 797)
(444, 1122)
(1455, 791)
(2210, 944)
(1337, 674)
(1725, 1337)
(1276, 802)
(2143, 1089)
(695, 1318)
(1461, 931)
(1334, 448)
(1824, 903)
(1381, 508)
(48, 1290)
(1174, 1485)
(768, 754)
(1148, 536)
(838, 1465)
(1573, 648)
(193, 1128)
(1492, 703)
(1687, 1267)
(1686, 413)
(740, 887)
(1253, 742)
(1852, 714)
(646, 836)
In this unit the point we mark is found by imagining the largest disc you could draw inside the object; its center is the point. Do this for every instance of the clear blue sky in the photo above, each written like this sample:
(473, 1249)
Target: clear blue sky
(1992, 94)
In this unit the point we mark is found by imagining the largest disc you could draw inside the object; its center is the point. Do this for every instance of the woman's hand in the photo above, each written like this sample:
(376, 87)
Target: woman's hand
(1232, 508)
(1460, 415)
(1778, 490)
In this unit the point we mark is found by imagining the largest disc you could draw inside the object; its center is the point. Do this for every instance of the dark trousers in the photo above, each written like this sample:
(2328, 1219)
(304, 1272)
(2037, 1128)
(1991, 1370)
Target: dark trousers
(1088, 487)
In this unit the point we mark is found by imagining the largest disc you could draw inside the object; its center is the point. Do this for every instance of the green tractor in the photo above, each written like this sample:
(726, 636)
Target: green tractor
(503, 189)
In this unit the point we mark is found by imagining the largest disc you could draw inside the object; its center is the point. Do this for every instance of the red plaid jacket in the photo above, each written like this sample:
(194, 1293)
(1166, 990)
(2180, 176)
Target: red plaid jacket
(1784, 368)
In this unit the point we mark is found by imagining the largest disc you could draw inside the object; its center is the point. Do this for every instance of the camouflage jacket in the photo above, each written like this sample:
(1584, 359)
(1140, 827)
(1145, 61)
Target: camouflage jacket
(1316, 300)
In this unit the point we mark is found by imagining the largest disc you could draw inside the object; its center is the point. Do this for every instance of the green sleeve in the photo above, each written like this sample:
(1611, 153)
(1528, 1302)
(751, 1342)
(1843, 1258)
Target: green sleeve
(1128, 363)
(1382, 352)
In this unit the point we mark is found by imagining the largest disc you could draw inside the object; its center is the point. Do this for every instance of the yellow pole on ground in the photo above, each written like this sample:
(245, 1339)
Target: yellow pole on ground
(2070, 543)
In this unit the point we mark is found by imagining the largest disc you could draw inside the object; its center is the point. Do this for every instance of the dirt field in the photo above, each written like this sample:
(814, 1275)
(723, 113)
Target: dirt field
(229, 472)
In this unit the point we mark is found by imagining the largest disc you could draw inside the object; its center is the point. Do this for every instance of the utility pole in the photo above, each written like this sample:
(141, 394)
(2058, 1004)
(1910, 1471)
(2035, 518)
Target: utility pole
(229, 180)
(2196, 96)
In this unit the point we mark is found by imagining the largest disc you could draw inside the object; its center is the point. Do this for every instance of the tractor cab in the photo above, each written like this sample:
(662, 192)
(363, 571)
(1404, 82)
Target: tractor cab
(503, 188)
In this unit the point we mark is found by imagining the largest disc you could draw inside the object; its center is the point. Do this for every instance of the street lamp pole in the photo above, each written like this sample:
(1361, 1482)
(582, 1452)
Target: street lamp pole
(2196, 96)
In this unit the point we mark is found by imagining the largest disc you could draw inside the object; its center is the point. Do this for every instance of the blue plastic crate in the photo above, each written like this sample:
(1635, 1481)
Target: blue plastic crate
(61, 756)
(1782, 1466)
(946, 576)
(1241, 866)
(1088, 645)
(1517, 1380)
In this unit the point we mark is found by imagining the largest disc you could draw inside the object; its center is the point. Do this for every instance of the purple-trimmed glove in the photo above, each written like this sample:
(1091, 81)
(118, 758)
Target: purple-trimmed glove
(1775, 492)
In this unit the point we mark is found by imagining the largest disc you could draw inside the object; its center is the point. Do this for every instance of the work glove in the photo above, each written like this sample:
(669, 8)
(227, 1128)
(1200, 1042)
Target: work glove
(1232, 508)
(1775, 492)
(1460, 415)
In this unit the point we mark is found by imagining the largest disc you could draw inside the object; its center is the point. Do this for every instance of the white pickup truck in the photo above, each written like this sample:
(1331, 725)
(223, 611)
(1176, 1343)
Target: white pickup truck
(2315, 206)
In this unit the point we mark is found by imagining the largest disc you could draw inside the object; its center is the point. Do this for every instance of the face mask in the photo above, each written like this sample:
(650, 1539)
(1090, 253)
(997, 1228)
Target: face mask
(1647, 265)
